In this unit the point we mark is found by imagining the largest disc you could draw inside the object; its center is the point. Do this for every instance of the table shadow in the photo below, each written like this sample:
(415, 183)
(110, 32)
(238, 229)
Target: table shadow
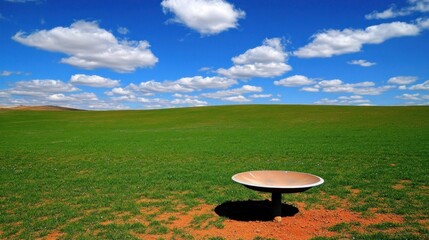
(251, 210)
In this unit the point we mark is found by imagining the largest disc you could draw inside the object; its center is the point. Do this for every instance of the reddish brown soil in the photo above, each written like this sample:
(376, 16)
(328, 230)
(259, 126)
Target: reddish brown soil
(401, 184)
(53, 235)
(298, 223)
(247, 220)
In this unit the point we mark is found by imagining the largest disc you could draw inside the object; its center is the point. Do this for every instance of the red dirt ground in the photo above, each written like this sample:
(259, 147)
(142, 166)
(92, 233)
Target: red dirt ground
(304, 224)
(298, 222)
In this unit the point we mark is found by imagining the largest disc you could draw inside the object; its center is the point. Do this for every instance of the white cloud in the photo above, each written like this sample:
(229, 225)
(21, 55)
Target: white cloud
(165, 103)
(271, 51)
(208, 17)
(255, 70)
(334, 86)
(179, 95)
(275, 100)
(327, 101)
(336, 42)
(93, 81)
(261, 95)
(198, 82)
(53, 92)
(125, 98)
(123, 30)
(414, 99)
(311, 89)
(392, 12)
(189, 102)
(76, 98)
(90, 46)
(4, 94)
(233, 92)
(186, 84)
(423, 23)
(410, 97)
(421, 86)
(294, 81)
(362, 63)
(101, 105)
(118, 91)
(206, 69)
(402, 80)
(388, 13)
(267, 60)
(41, 87)
(239, 98)
(362, 88)
(345, 100)
(6, 73)
(166, 86)
(59, 97)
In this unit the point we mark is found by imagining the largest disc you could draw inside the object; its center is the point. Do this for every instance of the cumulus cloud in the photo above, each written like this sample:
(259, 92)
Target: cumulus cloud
(336, 42)
(90, 47)
(333, 86)
(4, 94)
(199, 82)
(53, 92)
(93, 81)
(123, 30)
(208, 17)
(267, 60)
(261, 95)
(421, 86)
(392, 12)
(119, 91)
(60, 97)
(41, 87)
(362, 63)
(101, 105)
(362, 88)
(166, 103)
(410, 97)
(186, 84)
(234, 95)
(5, 73)
(402, 80)
(189, 102)
(293, 81)
(345, 100)
(166, 86)
(239, 99)
(311, 89)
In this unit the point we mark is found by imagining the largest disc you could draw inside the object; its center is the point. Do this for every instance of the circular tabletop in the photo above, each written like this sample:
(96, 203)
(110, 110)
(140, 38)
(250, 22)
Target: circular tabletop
(277, 181)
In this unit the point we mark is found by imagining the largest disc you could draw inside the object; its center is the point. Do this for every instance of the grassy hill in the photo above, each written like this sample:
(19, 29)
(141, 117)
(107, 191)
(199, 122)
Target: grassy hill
(70, 170)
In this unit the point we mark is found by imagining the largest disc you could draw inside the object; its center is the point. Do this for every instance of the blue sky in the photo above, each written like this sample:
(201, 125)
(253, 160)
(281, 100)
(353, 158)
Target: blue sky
(134, 54)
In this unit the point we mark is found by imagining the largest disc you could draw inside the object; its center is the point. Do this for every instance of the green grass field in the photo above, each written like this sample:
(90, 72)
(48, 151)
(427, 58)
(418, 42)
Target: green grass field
(69, 171)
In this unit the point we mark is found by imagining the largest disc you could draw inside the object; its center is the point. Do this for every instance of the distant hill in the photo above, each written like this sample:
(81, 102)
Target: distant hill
(40, 108)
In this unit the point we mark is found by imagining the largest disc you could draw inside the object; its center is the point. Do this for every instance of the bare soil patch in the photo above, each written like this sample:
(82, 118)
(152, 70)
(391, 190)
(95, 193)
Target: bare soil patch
(250, 219)
(401, 184)
(53, 236)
